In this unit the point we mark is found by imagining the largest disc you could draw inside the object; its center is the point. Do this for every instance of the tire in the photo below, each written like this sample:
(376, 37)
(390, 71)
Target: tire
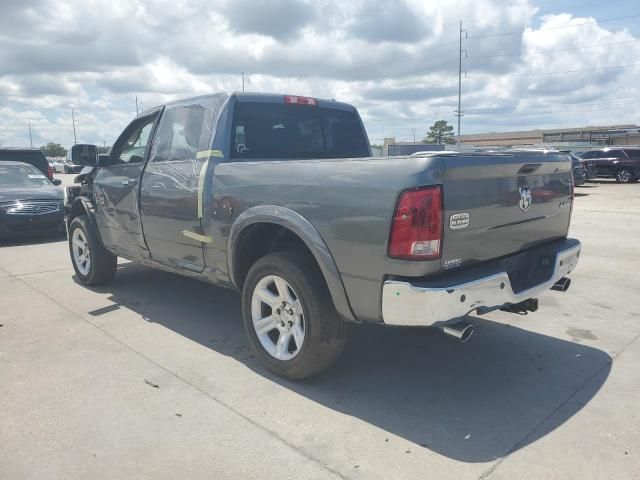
(625, 175)
(101, 265)
(310, 307)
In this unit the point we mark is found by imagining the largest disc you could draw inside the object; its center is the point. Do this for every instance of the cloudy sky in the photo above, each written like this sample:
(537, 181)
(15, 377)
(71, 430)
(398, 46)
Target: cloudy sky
(530, 64)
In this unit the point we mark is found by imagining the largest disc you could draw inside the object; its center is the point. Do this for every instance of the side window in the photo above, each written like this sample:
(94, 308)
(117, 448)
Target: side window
(182, 132)
(634, 154)
(133, 147)
(588, 155)
(617, 154)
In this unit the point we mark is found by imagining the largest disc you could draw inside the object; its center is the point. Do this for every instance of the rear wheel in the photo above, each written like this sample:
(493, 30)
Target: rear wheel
(289, 315)
(94, 264)
(624, 175)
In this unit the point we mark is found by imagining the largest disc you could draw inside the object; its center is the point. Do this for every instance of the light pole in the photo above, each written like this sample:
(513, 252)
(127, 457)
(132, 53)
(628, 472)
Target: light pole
(459, 111)
(73, 120)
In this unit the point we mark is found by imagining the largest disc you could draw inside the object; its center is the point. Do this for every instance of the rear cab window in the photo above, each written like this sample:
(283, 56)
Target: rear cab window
(279, 131)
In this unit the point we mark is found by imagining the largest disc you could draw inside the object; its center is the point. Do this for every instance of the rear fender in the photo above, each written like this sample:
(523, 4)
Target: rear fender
(293, 221)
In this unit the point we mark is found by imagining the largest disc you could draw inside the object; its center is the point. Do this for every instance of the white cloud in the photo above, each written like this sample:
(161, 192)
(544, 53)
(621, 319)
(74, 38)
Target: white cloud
(396, 61)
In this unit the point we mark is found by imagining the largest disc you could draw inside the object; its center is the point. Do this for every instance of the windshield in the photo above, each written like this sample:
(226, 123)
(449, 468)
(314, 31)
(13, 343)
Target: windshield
(21, 176)
(281, 131)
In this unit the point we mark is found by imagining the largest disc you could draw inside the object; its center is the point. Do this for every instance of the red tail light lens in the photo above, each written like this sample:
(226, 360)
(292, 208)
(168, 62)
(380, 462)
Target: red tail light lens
(295, 100)
(416, 229)
(50, 172)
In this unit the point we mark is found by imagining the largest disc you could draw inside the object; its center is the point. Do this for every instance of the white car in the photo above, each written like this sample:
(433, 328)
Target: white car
(57, 165)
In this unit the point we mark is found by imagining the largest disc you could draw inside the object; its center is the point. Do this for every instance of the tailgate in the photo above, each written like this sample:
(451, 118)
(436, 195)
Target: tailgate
(499, 204)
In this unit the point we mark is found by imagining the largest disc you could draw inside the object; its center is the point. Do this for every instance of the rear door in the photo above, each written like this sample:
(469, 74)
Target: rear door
(116, 188)
(606, 161)
(499, 204)
(173, 185)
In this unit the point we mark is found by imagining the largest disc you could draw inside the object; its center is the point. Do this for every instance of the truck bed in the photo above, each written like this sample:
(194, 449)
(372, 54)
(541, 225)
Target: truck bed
(351, 202)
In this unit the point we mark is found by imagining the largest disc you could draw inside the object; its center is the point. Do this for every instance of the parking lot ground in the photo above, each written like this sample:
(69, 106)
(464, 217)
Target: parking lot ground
(151, 377)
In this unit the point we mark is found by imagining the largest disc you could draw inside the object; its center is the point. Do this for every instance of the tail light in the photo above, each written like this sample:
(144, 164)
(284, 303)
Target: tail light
(295, 100)
(50, 172)
(416, 229)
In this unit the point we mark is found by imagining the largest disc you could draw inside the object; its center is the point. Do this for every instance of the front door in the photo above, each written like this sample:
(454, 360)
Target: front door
(116, 188)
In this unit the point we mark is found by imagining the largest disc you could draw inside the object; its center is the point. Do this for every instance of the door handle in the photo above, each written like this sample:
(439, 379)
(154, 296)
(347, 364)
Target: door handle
(130, 181)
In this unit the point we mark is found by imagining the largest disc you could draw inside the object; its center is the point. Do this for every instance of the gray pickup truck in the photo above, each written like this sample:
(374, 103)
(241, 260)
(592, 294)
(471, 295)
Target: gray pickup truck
(277, 196)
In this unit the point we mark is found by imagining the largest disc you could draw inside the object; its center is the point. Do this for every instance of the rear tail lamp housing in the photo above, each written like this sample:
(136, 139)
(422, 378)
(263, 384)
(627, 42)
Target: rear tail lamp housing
(297, 100)
(416, 226)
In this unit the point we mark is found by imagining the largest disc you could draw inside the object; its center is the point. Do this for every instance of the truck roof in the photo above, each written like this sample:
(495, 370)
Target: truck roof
(258, 97)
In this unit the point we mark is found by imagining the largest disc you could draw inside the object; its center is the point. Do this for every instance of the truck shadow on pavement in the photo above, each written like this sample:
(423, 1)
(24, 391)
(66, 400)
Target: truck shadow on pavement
(504, 389)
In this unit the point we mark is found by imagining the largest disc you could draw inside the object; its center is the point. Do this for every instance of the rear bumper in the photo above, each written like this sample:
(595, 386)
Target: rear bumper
(420, 304)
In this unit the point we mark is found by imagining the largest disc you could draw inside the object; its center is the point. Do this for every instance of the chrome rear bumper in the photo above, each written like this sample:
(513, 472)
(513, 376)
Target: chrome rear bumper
(404, 303)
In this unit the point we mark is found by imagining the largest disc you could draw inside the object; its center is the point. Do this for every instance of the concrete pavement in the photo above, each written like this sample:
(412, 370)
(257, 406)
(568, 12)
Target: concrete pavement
(151, 377)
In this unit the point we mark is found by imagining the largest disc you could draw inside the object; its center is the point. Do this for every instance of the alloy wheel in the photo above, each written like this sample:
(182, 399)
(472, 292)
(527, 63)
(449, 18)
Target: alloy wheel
(278, 317)
(81, 253)
(623, 176)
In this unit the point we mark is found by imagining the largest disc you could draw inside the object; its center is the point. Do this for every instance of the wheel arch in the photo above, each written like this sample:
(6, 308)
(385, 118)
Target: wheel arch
(82, 206)
(279, 227)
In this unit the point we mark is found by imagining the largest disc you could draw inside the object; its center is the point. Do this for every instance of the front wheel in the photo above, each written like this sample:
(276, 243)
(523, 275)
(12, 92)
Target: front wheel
(624, 175)
(289, 315)
(94, 264)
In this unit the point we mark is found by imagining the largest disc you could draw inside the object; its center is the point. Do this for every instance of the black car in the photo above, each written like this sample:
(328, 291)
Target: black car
(29, 202)
(621, 163)
(32, 156)
(579, 176)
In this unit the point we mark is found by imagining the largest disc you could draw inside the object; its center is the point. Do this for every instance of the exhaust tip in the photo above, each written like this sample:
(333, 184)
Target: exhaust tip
(562, 285)
(461, 330)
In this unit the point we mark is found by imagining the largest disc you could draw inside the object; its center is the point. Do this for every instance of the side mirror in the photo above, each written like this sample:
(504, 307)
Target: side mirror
(57, 182)
(86, 155)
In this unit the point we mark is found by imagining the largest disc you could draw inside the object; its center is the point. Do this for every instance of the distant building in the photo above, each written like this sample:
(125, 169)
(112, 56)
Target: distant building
(580, 137)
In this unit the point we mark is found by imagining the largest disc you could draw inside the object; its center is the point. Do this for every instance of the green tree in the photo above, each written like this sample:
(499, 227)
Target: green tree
(53, 150)
(439, 133)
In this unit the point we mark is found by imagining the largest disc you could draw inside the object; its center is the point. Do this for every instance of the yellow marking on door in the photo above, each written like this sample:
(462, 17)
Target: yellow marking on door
(203, 170)
(197, 236)
(209, 153)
